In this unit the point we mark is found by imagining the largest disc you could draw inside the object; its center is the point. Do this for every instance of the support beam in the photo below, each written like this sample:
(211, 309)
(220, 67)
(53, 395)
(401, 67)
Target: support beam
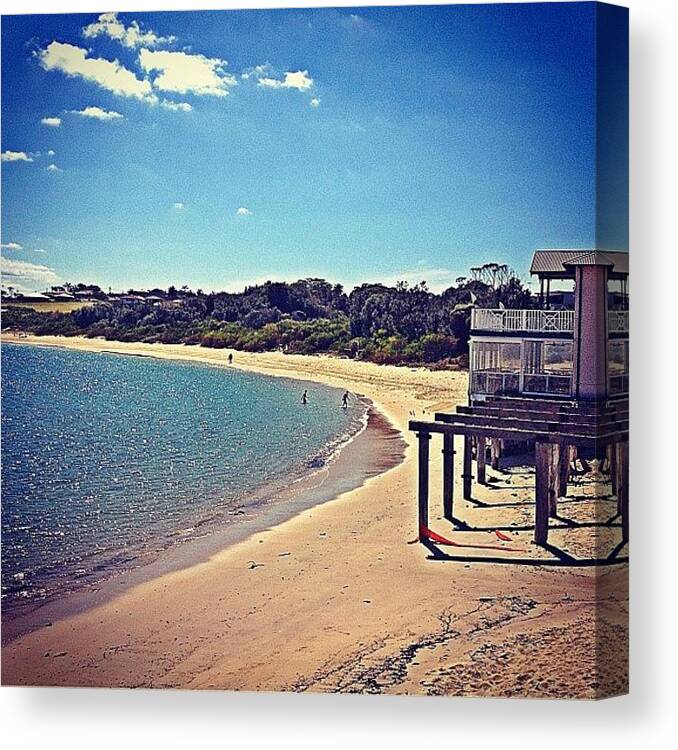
(448, 476)
(480, 459)
(542, 459)
(622, 471)
(467, 474)
(495, 452)
(563, 470)
(613, 468)
(554, 479)
(424, 439)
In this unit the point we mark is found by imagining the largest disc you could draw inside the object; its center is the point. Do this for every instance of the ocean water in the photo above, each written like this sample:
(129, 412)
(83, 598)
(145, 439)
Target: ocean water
(109, 459)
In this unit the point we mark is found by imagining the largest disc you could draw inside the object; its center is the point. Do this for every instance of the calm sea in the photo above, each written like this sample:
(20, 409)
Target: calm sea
(108, 459)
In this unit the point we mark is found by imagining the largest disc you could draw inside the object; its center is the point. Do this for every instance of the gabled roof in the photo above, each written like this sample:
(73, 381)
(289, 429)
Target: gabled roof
(560, 262)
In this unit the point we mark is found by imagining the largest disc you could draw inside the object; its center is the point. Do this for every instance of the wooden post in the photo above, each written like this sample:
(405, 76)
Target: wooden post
(542, 456)
(613, 471)
(424, 438)
(480, 459)
(467, 474)
(448, 475)
(554, 479)
(563, 470)
(495, 452)
(607, 461)
(622, 451)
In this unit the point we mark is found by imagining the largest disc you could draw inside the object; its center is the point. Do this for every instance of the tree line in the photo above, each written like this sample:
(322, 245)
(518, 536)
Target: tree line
(390, 325)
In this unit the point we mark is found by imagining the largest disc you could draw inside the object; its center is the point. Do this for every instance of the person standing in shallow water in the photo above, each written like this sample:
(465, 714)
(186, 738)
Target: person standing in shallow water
(304, 398)
(344, 400)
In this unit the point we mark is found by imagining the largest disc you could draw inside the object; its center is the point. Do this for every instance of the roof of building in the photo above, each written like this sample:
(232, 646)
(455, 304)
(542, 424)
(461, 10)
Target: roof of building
(559, 262)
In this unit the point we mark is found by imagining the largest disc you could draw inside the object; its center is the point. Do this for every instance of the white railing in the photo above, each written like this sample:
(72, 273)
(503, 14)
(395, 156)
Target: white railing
(555, 321)
(618, 321)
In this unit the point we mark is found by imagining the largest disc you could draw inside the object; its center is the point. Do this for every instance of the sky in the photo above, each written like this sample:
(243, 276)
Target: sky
(224, 148)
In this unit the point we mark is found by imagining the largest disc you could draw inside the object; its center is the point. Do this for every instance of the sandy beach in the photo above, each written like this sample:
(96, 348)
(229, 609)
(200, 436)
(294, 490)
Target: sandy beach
(337, 599)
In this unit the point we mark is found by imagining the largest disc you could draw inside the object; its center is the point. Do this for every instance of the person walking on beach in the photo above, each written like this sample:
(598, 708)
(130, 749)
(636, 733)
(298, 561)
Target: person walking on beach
(230, 358)
(344, 400)
(304, 398)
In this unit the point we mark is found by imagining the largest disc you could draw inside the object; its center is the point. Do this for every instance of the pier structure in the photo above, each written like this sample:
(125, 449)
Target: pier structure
(554, 379)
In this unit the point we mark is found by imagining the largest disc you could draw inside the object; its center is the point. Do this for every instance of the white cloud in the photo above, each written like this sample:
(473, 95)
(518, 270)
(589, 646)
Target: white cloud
(178, 206)
(15, 156)
(52, 122)
(186, 73)
(176, 106)
(108, 24)
(315, 102)
(258, 71)
(242, 211)
(97, 113)
(299, 80)
(51, 152)
(20, 273)
(53, 168)
(110, 75)
(11, 246)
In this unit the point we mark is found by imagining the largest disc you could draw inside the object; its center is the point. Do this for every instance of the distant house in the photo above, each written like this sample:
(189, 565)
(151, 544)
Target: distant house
(59, 294)
(31, 297)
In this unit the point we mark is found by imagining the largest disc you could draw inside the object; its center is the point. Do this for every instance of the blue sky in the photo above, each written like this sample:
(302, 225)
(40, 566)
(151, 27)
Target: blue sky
(216, 149)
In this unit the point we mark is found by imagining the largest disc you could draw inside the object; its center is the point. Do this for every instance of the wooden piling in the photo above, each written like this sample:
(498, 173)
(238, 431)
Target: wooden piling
(448, 476)
(613, 471)
(467, 474)
(495, 452)
(542, 460)
(480, 459)
(424, 438)
(622, 461)
(554, 479)
(563, 470)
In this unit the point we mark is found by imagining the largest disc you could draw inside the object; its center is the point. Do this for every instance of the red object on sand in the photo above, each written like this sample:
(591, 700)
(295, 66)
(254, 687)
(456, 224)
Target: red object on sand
(432, 536)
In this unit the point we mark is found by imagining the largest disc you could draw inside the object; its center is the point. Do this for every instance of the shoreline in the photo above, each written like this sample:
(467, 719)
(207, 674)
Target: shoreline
(335, 599)
(374, 448)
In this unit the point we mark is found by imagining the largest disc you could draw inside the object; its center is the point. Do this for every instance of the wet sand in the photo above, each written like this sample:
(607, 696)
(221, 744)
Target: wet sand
(335, 599)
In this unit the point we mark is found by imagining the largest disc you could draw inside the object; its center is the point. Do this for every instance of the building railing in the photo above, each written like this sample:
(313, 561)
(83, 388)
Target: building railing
(547, 384)
(538, 321)
(515, 383)
(618, 321)
(618, 384)
(495, 383)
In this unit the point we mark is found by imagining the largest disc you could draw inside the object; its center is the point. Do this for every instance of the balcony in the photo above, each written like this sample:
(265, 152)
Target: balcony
(524, 321)
(539, 321)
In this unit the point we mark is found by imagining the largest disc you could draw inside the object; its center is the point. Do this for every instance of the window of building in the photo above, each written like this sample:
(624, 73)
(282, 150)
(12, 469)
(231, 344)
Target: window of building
(493, 356)
(548, 367)
(618, 366)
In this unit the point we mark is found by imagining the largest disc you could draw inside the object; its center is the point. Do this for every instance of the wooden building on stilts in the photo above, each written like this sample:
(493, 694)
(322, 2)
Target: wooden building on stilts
(554, 378)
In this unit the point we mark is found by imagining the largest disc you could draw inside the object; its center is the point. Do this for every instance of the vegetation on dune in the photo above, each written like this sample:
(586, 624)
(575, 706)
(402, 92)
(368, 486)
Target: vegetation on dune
(390, 325)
